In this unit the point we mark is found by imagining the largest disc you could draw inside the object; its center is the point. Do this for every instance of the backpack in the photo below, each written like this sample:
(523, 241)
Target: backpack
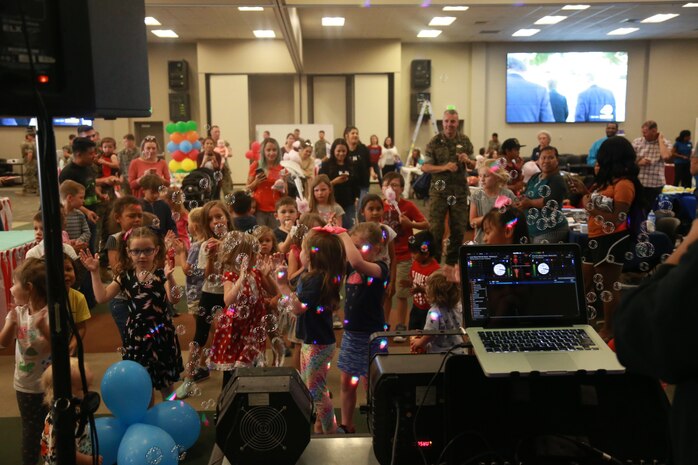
(421, 186)
(198, 187)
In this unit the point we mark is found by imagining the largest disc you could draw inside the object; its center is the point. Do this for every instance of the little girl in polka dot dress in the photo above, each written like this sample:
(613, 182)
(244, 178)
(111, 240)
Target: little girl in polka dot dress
(240, 335)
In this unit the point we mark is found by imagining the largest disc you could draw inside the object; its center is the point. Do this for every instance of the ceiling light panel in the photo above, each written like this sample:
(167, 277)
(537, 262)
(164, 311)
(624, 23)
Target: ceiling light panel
(429, 33)
(442, 20)
(250, 8)
(165, 33)
(150, 21)
(623, 31)
(333, 21)
(264, 34)
(691, 5)
(575, 7)
(525, 32)
(550, 19)
(660, 18)
(455, 8)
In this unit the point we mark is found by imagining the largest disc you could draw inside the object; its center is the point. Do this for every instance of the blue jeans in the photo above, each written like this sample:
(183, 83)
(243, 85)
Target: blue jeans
(119, 311)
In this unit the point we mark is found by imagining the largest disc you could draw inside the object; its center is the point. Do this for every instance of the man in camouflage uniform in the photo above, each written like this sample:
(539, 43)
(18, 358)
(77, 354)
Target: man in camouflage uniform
(31, 172)
(447, 157)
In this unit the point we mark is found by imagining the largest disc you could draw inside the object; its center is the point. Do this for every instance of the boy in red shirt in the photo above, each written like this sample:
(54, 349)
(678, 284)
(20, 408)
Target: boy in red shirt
(403, 216)
(423, 265)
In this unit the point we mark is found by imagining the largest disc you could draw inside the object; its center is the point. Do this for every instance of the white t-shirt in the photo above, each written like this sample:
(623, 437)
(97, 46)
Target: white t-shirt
(208, 285)
(38, 251)
(32, 352)
(390, 234)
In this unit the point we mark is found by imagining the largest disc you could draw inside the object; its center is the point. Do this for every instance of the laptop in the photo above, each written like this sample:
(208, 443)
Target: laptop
(525, 314)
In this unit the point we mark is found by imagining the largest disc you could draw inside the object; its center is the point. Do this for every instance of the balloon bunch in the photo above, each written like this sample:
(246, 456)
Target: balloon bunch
(253, 153)
(136, 434)
(184, 146)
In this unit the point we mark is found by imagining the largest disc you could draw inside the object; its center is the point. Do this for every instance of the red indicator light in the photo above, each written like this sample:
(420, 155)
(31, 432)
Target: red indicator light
(42, 78)
(424, 444)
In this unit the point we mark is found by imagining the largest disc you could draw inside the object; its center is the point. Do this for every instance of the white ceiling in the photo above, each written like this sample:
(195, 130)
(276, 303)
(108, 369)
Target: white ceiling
(492, 21)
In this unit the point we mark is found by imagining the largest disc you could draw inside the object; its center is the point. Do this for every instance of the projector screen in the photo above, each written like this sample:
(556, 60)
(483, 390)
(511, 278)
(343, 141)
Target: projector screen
(566, 87)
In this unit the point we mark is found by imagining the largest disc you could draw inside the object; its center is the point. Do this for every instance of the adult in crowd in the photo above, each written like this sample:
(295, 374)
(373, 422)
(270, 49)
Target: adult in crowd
(81, 171)
(88, 132)
(493, 179)
(288, 144)
(611, 197)
(558, 103)
(30, 183)
(493, 145)
(595, 103)
(544, 139)
(611, 130)
(542, 201)
(374, 152)
(652, 150)
(511, 149)
(129, 153)
(655, 335)
(342, 173)
(446, 158)
(147, 163)
(227, 182)
(358, 155)
(389, 157)
(682, 159)
(207, 157)
(266, 183)
(321, 148)
(527, 102)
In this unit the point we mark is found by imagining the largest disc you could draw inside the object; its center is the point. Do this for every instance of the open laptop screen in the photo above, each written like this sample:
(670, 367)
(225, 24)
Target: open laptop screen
(522, 285)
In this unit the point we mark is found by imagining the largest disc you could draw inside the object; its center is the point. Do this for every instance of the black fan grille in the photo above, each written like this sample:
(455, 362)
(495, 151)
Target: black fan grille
(263, 428)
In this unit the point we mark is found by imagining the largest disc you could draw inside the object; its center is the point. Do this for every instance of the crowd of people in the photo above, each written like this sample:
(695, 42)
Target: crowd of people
(303, 251)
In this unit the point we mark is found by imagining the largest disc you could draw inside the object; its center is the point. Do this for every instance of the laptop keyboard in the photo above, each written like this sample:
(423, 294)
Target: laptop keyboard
(537, 340)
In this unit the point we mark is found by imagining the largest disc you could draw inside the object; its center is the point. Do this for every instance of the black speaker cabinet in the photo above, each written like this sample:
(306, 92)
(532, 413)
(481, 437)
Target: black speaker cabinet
(90, 58)
(417, 99)
(421, 74)
(264, 416)
(398, 384)
(180, 109)
(178, 75)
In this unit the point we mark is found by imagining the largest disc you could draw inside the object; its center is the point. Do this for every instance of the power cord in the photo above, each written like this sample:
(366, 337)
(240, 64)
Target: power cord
(397, 430)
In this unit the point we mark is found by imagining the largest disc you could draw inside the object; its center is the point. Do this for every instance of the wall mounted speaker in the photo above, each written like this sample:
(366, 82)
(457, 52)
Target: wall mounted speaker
(421, 74)
(178, 75)
(264, 416)
(90, 58)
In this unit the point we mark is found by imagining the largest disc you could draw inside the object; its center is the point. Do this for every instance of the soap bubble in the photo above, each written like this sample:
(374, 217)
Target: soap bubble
(121, 351)
(608, 227)
(451, 200)
(440, 185)
(270, 323)
(664, 204)
(643, 237)
(591, 297)
(544, 191)
(229, 199)
(530, 220)
(180, 330)
(598, 219)
(155, 223)
(552, 204)
(622, 216)
(606, 296)
(644, 266)
(598, 277)
(217, 176)
(154, 456)
(192, 294)
(593, 244)
(162, 190)
(523, 240)
(644, 249)
(589, 206)
(591, 312)
(629, 255)
(220, 229)
(177, 292)
(533, 212)
(177, 197)
(541, 224)
(194, 347)
(617, 286)
(208, 404)
(204, 183)
(611, 258)
(411, 239)
(598, 286)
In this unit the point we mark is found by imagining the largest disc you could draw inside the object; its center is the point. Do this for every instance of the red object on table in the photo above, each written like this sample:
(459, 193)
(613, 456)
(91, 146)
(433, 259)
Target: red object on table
(669, 173)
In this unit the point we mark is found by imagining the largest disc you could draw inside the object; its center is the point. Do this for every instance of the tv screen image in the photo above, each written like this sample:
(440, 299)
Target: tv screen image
(72, 121)
(566, 87)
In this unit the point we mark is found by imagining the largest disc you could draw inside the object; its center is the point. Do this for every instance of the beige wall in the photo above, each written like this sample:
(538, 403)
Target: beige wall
(271, 100)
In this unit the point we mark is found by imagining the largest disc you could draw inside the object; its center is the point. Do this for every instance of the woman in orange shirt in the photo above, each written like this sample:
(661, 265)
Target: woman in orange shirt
(266, 182)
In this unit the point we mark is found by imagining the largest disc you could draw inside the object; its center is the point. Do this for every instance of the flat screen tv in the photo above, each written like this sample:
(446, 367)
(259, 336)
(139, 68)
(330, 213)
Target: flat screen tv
(566, 87)
(24, 122)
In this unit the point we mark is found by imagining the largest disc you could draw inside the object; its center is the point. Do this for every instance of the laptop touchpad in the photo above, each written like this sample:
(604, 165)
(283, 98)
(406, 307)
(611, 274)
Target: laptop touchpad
(547, 362)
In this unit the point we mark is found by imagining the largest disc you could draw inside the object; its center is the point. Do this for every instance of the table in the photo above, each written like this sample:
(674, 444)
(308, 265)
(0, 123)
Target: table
(661, 242)
(13, 246)
(406, 172)
(683, 204)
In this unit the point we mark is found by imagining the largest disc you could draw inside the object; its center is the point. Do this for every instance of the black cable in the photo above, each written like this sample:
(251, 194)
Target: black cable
(606, 457)
(426, 393)
(49, 121)
(397, 429)
(486, 443)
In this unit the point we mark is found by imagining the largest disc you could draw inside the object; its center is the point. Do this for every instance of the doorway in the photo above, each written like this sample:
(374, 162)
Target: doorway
(150, 128)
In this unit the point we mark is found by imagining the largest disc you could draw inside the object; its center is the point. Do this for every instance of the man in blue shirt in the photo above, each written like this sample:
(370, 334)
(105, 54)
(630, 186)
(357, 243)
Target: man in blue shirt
(595, 104)
(611, 130)
(527, 102)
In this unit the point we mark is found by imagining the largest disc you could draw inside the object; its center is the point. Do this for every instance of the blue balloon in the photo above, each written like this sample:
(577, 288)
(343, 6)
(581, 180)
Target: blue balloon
(196, 145)
(126, 390)
(179, 419)
(147, 444)
(185, 146)
(172, 147)
(109, 432)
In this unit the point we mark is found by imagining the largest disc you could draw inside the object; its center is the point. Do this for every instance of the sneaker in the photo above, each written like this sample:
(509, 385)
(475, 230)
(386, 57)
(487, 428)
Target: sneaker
(343, 429)
(183, 390)
(201, 374)
(400, 338)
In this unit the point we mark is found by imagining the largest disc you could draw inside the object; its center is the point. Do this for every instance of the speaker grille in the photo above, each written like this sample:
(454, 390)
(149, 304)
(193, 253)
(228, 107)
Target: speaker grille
(263, 428)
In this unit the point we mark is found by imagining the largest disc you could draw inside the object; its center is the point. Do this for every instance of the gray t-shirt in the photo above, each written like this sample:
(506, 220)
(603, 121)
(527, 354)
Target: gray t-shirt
(484, 203)
(443, 319)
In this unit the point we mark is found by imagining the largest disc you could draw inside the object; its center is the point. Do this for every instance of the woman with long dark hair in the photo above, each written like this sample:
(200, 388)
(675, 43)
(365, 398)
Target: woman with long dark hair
(359, 156)
(682, 159)
(343, 176)
(609, 203)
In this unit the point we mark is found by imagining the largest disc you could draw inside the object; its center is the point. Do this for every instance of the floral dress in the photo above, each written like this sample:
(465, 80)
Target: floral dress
(150, 334)
(240, 335)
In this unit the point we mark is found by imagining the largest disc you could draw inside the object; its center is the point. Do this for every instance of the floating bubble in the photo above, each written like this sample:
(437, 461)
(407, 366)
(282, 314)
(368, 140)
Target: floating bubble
(208, 404)
(180, 330)
(440, 185)
(162, 190)
(204, 183)
(243, 312)
(608, 227)
(155, 223)
(598, 277)
(611, 258)
(192, 294)
(530, 220)
(541, 224)
(599, 286)
(544, 191)
(175, 216)
(523, 240)
(229, 199)
(622, 216)
(545, 241)
(664, 204)
(593, 244)
(451, 200)
(194, 346)
(411, 239)
(513, 174)
(617, 286)
(502, 162)
(193, 204)
(177, 197)
(579, 217)
(644, 249)
(270, 323)
(533, 212)
(552, 204)
(177, 292)
(591, 297)
(589, 206)
(606, 296)
(121, 351)
(598, 219)
(220, 229)
(217, 176)
(629, 255)
(591, 313)
(154, 456)
(644, 266)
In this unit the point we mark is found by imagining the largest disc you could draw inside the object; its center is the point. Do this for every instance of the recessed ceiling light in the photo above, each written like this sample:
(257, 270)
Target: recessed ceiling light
(150, 21)
(575, 7)
(250, 8)
(622, 31)
(691, 5)
(264, 34)
(429, 33)
(167, 33)
(442, 20)
(525, 32)
(660, 18)
(333, 21)
(551, 19)
(455, 8)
